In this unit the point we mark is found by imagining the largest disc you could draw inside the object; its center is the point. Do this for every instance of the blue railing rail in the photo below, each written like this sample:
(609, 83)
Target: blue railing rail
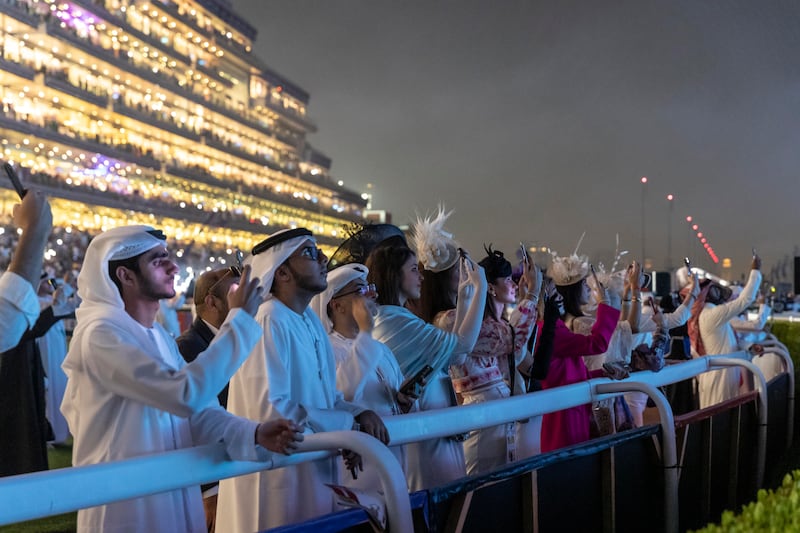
(41, 494)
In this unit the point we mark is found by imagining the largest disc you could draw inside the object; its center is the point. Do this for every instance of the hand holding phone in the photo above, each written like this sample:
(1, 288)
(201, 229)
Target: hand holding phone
(594, 277)
(599, 291)
(756, 264)
(466, 263)
(414, 385)
(15, 181)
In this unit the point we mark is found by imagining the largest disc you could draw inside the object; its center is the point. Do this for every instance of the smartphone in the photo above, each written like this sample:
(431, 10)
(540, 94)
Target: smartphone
(465, 260)
(524, 251)
(413, 385)
(12, 175)
(688, 264)
(68, 290)
(239, 258)
(653, 305)
(754, 252)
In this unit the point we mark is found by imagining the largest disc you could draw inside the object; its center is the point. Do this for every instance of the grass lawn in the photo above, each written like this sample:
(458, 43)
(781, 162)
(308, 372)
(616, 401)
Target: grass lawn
(789, 334)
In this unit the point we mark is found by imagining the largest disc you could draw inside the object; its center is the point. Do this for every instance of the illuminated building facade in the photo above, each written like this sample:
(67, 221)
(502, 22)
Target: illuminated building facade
(157, 112)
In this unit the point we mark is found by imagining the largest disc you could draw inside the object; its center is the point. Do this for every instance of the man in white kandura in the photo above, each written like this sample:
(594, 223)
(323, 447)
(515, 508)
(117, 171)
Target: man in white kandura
(129, 391)
(711, 333)
(367, 372)
(291, 374)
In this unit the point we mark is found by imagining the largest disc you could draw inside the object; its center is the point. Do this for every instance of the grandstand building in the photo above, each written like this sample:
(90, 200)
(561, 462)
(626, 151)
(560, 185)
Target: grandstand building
(157, 112)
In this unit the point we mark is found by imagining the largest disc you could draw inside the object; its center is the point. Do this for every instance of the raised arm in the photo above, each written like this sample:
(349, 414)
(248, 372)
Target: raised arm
(723, 313)
(131, 371)
(632, 297)
(34, 218)
(472, 300)
(523, 317)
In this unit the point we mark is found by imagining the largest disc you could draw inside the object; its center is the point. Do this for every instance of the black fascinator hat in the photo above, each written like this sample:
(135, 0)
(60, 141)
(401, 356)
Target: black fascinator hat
(364, 239)
(495, 264)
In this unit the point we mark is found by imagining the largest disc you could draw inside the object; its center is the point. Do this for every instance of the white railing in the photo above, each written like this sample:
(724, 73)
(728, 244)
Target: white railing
(40, 494)
(773, 345)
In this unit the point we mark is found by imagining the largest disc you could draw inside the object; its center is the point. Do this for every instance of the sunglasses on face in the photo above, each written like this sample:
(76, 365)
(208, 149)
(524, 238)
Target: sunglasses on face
(232, 271)
(311, 253)
(363, 290)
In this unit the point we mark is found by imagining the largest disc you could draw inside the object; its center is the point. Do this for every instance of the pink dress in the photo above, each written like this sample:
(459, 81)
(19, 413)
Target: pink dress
(571, 426)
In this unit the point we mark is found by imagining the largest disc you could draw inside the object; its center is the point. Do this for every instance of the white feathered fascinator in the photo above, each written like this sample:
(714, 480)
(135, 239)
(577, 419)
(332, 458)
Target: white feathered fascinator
(566, 270)
(613, 279)
(436, 249)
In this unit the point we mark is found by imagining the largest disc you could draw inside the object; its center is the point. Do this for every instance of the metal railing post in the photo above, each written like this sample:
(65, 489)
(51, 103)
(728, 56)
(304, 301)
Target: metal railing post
(398, 505)
(773, 345)
(761, 387)
(670, 453)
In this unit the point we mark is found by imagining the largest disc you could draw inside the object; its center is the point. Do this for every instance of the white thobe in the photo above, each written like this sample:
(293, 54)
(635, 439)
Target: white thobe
(415, 343)
(19, 309)
(637, 401)
(130, 393)
(368, 374)
(291, 374)
(720, 338)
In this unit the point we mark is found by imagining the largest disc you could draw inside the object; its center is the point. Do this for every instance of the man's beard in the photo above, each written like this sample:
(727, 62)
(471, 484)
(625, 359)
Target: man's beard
(308, 283)
(149, 290)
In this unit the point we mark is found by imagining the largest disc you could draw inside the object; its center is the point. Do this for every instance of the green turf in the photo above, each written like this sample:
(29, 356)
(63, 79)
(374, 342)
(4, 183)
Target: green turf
(789, 334)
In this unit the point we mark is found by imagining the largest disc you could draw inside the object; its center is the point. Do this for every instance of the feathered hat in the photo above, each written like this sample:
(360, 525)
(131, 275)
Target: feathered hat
(435, 247)
(613, 279)
(566, 270)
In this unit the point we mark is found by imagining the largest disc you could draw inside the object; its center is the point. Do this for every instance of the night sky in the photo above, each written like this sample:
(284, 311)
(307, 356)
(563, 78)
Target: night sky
(535, 121)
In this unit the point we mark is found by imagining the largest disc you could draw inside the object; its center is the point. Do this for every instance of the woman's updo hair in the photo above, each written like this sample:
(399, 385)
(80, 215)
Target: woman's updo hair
(495, 265)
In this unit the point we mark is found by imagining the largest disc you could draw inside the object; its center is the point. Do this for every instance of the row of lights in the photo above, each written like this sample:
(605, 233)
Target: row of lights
(55, 101)
(689, 219)
(703, 239)
(63, 12)
(196, 201)
(64, 7)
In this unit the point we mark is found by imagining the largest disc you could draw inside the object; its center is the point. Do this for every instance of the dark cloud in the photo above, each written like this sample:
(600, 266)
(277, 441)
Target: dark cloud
(535, 120)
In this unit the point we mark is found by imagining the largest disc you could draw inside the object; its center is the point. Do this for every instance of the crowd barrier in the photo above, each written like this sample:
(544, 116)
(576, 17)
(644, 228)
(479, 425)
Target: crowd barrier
(42, 494)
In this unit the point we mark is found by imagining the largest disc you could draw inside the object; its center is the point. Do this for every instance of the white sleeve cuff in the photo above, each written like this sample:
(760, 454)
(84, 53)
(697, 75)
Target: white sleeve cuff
(18, 292)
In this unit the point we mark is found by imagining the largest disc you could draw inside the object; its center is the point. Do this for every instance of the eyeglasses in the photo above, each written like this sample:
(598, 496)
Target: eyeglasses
(233, 271)
(310, 252)
(363, 290)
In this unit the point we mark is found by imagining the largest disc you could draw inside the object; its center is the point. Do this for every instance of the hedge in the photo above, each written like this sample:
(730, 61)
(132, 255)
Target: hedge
(773, 511)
